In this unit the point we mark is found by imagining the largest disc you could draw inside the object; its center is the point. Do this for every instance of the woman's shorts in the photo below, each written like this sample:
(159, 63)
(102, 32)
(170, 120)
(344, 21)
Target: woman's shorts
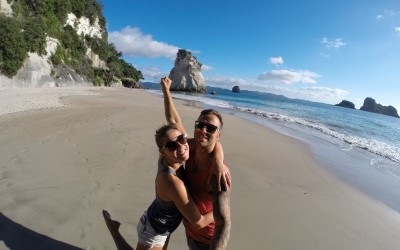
(147, 236)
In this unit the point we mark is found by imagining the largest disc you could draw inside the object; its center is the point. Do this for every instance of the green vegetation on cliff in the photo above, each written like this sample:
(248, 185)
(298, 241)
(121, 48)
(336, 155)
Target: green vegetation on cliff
(34, 20)
(13, 47)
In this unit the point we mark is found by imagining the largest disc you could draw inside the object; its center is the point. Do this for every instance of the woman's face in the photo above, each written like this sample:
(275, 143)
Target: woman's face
(175, 149)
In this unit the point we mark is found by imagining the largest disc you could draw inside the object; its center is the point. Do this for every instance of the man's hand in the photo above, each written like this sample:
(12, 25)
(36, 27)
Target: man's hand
(222, 177)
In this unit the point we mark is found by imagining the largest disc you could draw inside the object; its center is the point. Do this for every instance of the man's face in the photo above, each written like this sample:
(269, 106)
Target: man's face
(204, 134)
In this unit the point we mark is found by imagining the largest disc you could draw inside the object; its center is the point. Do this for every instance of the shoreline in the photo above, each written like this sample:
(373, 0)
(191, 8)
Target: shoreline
(62, 167)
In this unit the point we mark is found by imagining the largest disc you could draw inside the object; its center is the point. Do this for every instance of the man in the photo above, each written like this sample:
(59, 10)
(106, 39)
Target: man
(202, 157)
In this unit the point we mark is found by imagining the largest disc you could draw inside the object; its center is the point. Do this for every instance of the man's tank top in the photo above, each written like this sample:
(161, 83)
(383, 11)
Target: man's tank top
(195, 181)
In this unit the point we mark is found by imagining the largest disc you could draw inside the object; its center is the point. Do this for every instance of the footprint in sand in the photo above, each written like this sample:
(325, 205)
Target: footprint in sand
(69, 140)
(17, 160)
(84, 160)
(87, 229)
(86, 203)
(5, 175)
(95, 186)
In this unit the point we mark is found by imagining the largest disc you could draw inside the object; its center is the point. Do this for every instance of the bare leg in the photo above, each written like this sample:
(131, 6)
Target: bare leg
(166, 243)
(113, 227)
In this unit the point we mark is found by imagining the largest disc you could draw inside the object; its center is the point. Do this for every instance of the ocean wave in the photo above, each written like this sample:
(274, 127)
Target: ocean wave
(377, 147)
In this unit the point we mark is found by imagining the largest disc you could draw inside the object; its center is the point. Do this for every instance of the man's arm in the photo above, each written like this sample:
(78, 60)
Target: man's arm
(171, 114)
(222, 216)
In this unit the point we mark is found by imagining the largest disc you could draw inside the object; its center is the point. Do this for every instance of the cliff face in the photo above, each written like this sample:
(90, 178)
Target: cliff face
(58, 43)
(186, 74)
(38, 71)
(370, 105)
(5, 8)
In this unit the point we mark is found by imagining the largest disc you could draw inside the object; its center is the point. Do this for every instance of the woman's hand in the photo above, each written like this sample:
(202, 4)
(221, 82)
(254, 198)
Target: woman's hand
(165, 83)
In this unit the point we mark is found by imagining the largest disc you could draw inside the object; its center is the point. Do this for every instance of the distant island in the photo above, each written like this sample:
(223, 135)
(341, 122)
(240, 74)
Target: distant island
(370, 105)
(346, 104)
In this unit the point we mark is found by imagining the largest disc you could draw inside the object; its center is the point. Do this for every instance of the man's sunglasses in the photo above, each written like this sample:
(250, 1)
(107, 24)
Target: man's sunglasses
(209, 127)
(173, 145)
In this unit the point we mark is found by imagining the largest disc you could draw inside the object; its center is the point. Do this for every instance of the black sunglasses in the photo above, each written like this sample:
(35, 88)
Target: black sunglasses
(209, 127)
(173, 145)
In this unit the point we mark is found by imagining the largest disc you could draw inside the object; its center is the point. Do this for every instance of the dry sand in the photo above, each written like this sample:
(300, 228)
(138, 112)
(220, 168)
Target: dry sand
(61, 166)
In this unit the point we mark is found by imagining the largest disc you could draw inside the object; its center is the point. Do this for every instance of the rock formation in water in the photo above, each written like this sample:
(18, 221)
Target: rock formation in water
(186, 74)
(370, 105)
(236, 89)
(346, 104)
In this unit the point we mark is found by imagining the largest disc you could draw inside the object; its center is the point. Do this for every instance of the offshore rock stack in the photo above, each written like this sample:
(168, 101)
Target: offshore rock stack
(186, 74)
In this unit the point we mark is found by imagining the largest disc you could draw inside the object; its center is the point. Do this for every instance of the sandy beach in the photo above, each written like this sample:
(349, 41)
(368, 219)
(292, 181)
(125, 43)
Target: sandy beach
(67, 154)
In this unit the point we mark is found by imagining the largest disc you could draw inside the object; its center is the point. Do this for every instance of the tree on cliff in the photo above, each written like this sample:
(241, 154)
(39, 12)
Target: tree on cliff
(13, 48)
(34, 20)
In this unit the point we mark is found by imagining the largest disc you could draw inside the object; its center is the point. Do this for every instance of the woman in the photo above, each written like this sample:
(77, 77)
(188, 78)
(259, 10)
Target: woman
(172, 197)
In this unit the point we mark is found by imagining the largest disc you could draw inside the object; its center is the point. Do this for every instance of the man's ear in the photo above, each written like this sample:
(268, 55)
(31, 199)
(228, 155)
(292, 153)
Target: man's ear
(219, 134)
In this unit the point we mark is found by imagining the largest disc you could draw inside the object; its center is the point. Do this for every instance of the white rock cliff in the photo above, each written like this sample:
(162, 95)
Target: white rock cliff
(5, 8)
(186, 74)
(37, 70)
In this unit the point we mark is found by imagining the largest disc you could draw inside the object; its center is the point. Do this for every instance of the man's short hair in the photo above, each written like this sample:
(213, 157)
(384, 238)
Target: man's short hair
(212, 112)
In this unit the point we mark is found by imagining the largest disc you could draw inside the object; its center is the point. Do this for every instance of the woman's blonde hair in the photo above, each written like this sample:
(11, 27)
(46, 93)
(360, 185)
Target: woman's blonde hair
(162, 132)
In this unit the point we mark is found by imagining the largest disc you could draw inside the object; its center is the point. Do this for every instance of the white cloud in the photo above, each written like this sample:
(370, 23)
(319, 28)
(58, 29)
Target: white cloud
(324, 55)
(276, 60)
(132, 42)
(379, 17)
(194, 51)
(226, 81)
(325, 91)
(336, 43)
(206, 68)
(289, 77)
(397, 29)
(391, 13)
(317, 94)
(153, 73)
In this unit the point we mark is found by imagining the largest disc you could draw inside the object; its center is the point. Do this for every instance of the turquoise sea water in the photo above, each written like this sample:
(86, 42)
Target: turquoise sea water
(360, 147)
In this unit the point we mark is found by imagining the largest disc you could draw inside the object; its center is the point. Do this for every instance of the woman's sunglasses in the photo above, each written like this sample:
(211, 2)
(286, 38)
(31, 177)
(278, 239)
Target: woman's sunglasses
(173, 145)
(209, 127)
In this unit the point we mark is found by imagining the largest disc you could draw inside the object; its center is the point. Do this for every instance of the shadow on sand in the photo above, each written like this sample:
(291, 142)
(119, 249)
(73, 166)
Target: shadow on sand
(16, 236)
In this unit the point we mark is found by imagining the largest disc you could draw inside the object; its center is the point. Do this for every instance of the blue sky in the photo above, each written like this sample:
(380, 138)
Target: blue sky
(319, 50)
